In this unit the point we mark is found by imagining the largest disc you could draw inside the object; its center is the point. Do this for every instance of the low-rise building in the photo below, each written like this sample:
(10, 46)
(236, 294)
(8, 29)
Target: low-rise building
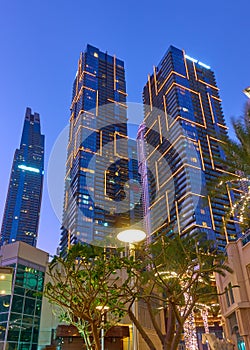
(235, 286)
(20, 308)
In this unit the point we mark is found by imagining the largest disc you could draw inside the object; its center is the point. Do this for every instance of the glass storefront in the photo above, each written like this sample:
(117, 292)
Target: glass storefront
(22, 310)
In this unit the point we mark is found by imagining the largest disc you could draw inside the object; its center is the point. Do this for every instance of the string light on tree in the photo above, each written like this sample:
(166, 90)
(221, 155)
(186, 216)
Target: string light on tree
(190, 335)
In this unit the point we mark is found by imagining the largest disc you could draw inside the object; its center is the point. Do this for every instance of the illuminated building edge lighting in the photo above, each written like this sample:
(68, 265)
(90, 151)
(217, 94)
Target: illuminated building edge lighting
(28, 168)
(198, 62)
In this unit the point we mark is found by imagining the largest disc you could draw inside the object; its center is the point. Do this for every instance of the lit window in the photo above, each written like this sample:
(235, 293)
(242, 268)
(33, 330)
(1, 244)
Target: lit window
(227, 296)
(230, 288)
(95, 54)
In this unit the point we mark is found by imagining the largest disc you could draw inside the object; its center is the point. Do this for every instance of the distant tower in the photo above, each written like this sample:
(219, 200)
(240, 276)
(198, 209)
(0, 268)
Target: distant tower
(22, 207)
(135, 186)
(142, 169)
(185, 124)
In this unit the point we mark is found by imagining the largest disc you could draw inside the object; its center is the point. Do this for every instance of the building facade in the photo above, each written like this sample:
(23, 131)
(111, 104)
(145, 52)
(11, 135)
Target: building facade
(96, 183)
(235, 287)
(23, 203)
(142, 169)
(135, 186)
(20, 312)
(184, 131)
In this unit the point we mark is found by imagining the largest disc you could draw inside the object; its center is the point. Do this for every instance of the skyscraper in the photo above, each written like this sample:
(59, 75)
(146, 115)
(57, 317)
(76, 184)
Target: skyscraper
(142, 169)
(184, 125)
(96, 182)
(22, 207)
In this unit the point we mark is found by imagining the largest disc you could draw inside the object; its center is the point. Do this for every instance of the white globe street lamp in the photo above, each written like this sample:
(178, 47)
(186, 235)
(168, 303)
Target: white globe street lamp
(132, 236)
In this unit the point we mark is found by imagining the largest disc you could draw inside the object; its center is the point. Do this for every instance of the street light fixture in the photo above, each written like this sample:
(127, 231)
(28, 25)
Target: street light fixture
(102, 309)
(132, 236)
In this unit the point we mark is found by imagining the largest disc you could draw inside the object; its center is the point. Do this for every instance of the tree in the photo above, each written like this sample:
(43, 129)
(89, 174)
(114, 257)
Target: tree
(85, 284)
(174, 275)
(170, 277)
(237, 166)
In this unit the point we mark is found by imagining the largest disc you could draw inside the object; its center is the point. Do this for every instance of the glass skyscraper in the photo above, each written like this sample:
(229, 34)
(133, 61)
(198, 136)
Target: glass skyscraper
(96, 197)
(22, 207)
(184, 125)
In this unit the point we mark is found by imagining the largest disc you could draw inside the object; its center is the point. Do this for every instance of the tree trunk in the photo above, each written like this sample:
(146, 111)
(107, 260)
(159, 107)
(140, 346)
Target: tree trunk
(170, 328)
(141, 330)
(87, 341)
(96, 337)
(177, 338)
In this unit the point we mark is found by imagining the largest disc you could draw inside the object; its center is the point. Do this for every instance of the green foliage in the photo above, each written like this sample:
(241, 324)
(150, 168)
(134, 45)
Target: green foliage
(237, 170)
(87, 279)
(176, 276)
(172, 276)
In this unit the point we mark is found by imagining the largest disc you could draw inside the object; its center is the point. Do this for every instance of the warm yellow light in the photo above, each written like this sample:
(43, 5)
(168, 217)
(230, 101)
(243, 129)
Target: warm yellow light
(247, 92)
(102, 308)
(131, 236)
(2, 277)
(2, 292)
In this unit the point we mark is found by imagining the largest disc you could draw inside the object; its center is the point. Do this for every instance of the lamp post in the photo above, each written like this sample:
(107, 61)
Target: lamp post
(102, 309)
(132, 236)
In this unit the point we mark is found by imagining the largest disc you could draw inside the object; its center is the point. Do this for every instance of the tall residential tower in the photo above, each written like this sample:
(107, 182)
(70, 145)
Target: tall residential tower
(96, 182)
(23, 203)
(185, 127)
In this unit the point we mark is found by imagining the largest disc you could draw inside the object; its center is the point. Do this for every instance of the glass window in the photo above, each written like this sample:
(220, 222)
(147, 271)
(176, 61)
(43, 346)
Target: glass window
(19, 290)
(23, 346)
(36, 320)
(3, 317)
(38, 307)
(30, 293)
(13, 333)
(26, 335)
(2, 330)
(17, 304)
(15, 318)
(29, 306)
(13, 346)
(227, 297)
(40, 283)
(30, 280)
(231, 292)
(4, 303)
(35, 334)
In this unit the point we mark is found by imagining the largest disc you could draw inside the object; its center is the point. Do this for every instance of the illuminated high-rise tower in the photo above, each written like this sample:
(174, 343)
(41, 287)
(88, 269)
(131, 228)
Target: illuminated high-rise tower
(185, 126)
(22, 207)
(96, 182)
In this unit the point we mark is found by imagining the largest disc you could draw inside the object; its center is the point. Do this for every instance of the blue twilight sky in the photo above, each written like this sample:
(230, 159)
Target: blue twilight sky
(40, 45)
